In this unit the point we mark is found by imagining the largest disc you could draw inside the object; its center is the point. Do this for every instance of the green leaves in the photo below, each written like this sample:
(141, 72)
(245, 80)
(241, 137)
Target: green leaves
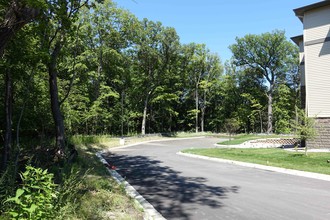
(38, 4)
(16, 199)
(270, 55)
(35, 199)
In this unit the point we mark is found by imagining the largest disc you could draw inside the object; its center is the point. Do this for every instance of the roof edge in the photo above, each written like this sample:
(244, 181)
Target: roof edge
(301, 11)
(297, 39)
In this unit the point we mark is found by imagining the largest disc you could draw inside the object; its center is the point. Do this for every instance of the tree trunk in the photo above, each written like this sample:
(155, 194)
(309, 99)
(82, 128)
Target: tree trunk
(5, 35)
(202, 118)
(196, 108)
(144, 119)
(8, 112)
(203, 109)
(260, 115)
(55, 105)
(17, 137)
(122, 113)
(270, 113)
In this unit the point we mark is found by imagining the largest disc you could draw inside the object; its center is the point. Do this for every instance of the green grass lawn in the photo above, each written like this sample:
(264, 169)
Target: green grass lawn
(313, 162)
(239, 139)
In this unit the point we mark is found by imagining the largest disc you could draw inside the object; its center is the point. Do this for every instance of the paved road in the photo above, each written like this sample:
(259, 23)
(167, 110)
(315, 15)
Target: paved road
(187, 188)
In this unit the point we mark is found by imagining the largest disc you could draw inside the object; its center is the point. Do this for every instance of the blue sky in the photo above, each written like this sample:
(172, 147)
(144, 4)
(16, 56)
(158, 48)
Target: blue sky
(218, 22)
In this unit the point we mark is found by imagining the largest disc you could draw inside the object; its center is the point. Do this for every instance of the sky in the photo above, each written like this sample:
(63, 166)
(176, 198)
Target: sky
(217, 23)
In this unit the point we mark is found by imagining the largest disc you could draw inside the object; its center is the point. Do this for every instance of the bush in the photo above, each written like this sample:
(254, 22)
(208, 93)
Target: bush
(35, 199)
(231, 125)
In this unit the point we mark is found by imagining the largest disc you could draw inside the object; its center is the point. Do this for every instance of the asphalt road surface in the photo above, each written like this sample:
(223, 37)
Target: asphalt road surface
(187, 188)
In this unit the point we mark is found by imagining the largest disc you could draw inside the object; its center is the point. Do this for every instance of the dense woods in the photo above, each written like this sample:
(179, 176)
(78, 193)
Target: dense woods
(73, 67)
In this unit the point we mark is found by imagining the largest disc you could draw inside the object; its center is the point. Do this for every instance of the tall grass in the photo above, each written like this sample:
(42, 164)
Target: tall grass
(90, 139)
(88, 192)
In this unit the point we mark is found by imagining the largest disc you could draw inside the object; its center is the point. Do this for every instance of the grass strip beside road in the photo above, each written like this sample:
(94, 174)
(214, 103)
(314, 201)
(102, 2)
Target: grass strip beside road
(239, 139)
(313, 162)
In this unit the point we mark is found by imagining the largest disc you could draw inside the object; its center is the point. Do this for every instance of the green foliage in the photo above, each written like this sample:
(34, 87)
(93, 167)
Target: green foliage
(7, 181)
(231, 125)
(39, 4)
(71, 188)
(35, 198)
(268, 55)
(89, 139)
(304, 127)
(283, 111)
(87, 192)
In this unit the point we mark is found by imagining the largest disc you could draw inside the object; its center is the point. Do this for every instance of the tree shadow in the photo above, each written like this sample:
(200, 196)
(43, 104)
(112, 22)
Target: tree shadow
(171, 194)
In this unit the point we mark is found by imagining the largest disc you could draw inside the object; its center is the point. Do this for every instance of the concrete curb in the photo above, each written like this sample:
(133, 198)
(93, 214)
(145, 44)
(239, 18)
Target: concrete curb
(263, 167)
(150, 213)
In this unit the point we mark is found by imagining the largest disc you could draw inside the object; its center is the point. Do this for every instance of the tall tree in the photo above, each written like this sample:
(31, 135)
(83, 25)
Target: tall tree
(148, 64)
(106, 35)
(166, 95)
(195, 55)
(55, 27)
(214, 71)
(267, 53)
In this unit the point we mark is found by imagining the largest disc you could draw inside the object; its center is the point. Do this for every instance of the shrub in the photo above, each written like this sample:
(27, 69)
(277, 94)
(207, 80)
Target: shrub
(35, 198)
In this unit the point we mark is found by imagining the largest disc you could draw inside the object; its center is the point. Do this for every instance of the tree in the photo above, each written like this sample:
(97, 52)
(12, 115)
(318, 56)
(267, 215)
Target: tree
(226, 98)
(252, 99)
(17, 14)
(196, 67)
(213, 72)
(106, 37)
(154, 53)
(13, 16)
(166, 96)
(283, 109)
(231, 126)
(305, 128)
(55, 26)
(268, 54)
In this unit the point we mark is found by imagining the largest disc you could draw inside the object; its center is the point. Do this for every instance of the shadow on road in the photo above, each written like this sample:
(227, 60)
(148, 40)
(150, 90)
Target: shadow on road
(171, 194)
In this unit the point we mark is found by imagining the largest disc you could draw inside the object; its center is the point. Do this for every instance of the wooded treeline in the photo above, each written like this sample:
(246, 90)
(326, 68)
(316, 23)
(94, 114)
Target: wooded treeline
(89, 67)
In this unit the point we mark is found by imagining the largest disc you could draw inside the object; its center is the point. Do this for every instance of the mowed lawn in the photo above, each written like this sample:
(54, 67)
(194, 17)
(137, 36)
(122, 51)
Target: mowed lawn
(239, 139)
(313, 162)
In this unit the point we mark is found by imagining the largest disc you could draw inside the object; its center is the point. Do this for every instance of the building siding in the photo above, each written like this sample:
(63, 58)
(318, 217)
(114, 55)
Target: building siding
(315, 68)
(317, 81)
(316, 23)
(317, 60)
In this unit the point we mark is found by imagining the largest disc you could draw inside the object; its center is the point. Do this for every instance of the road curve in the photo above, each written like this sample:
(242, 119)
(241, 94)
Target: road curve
(187, 188)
